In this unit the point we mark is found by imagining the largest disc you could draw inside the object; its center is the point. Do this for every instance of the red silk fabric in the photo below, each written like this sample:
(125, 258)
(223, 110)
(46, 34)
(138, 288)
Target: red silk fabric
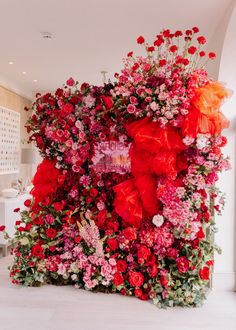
(154, 152)
(45, 181)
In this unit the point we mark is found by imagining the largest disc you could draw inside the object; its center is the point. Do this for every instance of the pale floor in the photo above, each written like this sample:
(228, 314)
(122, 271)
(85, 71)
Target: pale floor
(59, 308)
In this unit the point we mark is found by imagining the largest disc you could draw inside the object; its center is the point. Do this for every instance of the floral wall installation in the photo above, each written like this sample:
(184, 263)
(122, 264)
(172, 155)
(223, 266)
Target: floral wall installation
(122, 201)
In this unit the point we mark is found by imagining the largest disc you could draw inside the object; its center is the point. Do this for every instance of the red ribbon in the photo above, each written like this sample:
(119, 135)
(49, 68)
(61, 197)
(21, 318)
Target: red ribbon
(155, 151)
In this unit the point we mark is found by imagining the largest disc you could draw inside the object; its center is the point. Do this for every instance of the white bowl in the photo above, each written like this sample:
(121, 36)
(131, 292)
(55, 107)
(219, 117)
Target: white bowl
(9, 193)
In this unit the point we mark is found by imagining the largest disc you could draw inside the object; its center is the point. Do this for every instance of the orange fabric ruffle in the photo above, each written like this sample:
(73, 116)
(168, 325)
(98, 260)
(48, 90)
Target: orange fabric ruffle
(205, 115)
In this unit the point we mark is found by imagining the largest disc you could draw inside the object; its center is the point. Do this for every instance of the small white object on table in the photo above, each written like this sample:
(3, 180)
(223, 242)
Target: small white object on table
(8, 217)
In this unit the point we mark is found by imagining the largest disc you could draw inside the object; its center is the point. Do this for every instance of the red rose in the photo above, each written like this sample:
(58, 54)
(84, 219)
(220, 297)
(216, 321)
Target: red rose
(27, 202)
(182, 264)
(16, 210)
(138, 293)
(70, 82)
(58, 206)
(173, 48)
(121, 266)
(101, 217)
(211, 55)
(143, 254)
(192, 50)
(140, 40)
(51, 233)
(130, 233)
(201, 40)
(37, 250)
(204, 273)
(118, 279)
(93, 192)
(135, 278)
(130, 54)
(2, 228)
(164, 280)
(66, 110)
(31, 264)
(38, 221)
(18, 222)
(113, 244)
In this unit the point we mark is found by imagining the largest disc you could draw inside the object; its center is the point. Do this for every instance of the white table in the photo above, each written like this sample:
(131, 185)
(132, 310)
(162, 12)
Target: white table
(8, 217)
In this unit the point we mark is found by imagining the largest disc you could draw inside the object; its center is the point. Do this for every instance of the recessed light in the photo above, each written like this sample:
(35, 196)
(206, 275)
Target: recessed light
(10, 62)
(47, 35)
(35, 80)
(24, 72)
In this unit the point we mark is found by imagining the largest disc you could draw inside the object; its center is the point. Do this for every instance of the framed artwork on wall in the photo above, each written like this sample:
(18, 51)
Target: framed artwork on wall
(9, 141)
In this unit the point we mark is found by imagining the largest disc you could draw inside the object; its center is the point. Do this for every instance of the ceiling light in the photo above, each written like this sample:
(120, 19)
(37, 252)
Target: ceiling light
(35, 80)
(47, 35)
(10, 62)
(24, 72)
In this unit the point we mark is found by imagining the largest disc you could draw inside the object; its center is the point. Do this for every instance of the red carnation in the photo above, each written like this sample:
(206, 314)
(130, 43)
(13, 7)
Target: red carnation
(158, 42)
(136, 279)
(204, 273)
(211, 55)
(140, 40)
(143, 254)
(130, 233)
(151, 49)
(178, 33)
(195, 29)
(118, 279)
(201, 40)
(2, 228)
(51, 233)
(27, 202)
(192, 50)
(113, 244)
(37, 250)
(173, 48)
(162, 62)
(182, 264)
(202, 53)
(121, 266)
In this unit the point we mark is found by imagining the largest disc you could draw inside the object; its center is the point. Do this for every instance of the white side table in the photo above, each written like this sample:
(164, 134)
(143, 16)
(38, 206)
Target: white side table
(8, 217)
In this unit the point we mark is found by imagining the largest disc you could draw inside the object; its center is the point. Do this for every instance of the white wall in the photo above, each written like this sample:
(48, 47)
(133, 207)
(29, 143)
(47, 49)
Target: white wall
(225, 238)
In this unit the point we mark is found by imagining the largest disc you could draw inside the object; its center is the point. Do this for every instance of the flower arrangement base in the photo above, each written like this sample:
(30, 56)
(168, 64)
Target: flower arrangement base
(122, 201)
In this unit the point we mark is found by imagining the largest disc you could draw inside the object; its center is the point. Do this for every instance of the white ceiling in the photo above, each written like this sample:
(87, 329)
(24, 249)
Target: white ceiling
(89, 35)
